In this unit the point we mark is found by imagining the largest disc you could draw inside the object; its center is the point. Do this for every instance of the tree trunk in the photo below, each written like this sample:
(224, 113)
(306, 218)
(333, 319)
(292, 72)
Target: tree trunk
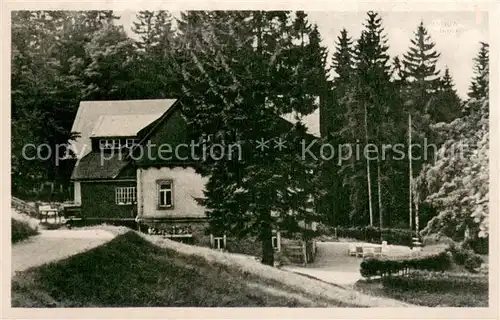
(368, 180)
(266, 235)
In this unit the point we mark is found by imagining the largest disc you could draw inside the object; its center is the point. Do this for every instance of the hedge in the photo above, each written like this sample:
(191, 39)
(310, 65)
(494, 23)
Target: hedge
(372, 234)
(465, 257)
(437, 282)
(21, 230)
(478, 245)
(384, 267)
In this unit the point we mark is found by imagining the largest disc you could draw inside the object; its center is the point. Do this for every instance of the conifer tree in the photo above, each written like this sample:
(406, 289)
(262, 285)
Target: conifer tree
(479, 85)
(422, 77)
(144, 29)
(338, 121)
(373, 92)
(155, 69)
(420, 64)
(242, 74)
(48, 60)
(164, 36)
(448, 105)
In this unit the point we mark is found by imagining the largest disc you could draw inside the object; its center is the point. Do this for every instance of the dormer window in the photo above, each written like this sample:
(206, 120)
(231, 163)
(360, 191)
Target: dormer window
(130, 143)
(109, 144)
(116, 143)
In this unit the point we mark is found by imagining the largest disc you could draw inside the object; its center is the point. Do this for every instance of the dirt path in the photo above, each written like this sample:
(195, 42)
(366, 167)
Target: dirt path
(53, 245)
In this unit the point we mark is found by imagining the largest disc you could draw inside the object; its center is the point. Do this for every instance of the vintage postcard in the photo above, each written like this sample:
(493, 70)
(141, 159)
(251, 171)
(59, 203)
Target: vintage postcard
(250, 160)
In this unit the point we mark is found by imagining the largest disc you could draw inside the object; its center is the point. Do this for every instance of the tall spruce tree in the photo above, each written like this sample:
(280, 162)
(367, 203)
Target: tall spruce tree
(155, 69)
(421, 99)
(448, 105)
(242, 75)
(421, 72)
(339, 121)
(144, 29)
(374, 95)
(479, 85)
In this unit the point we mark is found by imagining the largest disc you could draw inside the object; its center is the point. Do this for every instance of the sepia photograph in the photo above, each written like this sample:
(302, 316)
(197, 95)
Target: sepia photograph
(249, 158)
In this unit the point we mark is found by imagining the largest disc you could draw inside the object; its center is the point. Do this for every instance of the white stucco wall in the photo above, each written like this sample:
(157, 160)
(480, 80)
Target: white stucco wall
(187, 185)
(77, 193)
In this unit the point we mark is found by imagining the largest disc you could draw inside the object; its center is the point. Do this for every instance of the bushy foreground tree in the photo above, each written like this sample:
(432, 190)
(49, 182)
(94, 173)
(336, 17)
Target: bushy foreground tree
(244, 70)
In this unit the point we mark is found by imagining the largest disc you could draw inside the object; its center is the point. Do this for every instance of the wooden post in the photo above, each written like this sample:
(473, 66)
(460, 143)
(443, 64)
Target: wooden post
(368, 174)
(304, 251)
(224, 241)
(211, 240)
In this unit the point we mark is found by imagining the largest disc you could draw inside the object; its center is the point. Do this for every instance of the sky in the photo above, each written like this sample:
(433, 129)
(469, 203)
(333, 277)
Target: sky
(456, 34)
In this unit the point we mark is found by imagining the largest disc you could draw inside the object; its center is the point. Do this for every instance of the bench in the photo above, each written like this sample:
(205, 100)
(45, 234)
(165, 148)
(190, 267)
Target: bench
(363, 251)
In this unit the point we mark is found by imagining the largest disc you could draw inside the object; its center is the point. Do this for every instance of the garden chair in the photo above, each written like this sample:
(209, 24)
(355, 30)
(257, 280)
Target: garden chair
(368, 252)
(352, 250)
(359, 251)
(377, 251)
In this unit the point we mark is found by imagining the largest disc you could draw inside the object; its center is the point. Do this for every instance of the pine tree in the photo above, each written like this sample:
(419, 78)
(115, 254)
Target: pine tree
(144, 29)
(479, 85)
(420, 65)
(243, 73)
(156, 72)
(342, 60)
(373, 92)
(340, 127)
(164, 37)
(448, 105)
(343, 67)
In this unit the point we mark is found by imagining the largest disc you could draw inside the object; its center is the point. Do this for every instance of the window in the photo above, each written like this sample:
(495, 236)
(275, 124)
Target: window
(125, 195)
(129, 143)
(109, 144)
(165, 194)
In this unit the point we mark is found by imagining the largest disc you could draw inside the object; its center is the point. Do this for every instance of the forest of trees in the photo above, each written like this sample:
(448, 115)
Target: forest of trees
(241, 70)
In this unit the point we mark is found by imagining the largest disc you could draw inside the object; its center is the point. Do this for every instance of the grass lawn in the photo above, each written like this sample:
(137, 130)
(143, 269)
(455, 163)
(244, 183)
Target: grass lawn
(131, 271)
(461, 298)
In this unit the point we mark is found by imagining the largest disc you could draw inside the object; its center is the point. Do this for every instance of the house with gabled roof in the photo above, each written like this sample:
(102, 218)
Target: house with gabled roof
(115, 180)
(110, 184)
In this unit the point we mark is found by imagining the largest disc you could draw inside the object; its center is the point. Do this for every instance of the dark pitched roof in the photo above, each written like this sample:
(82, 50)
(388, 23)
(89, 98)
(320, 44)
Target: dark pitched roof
(89, 114)
(94, 166)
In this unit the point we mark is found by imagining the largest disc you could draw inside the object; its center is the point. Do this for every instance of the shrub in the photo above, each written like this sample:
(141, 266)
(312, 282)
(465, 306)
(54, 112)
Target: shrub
(383, 267)
(437, 282)
(478, 245)
(473, 263)
(459, 253)
(21, 230)
(466, 257)
(434, 239)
